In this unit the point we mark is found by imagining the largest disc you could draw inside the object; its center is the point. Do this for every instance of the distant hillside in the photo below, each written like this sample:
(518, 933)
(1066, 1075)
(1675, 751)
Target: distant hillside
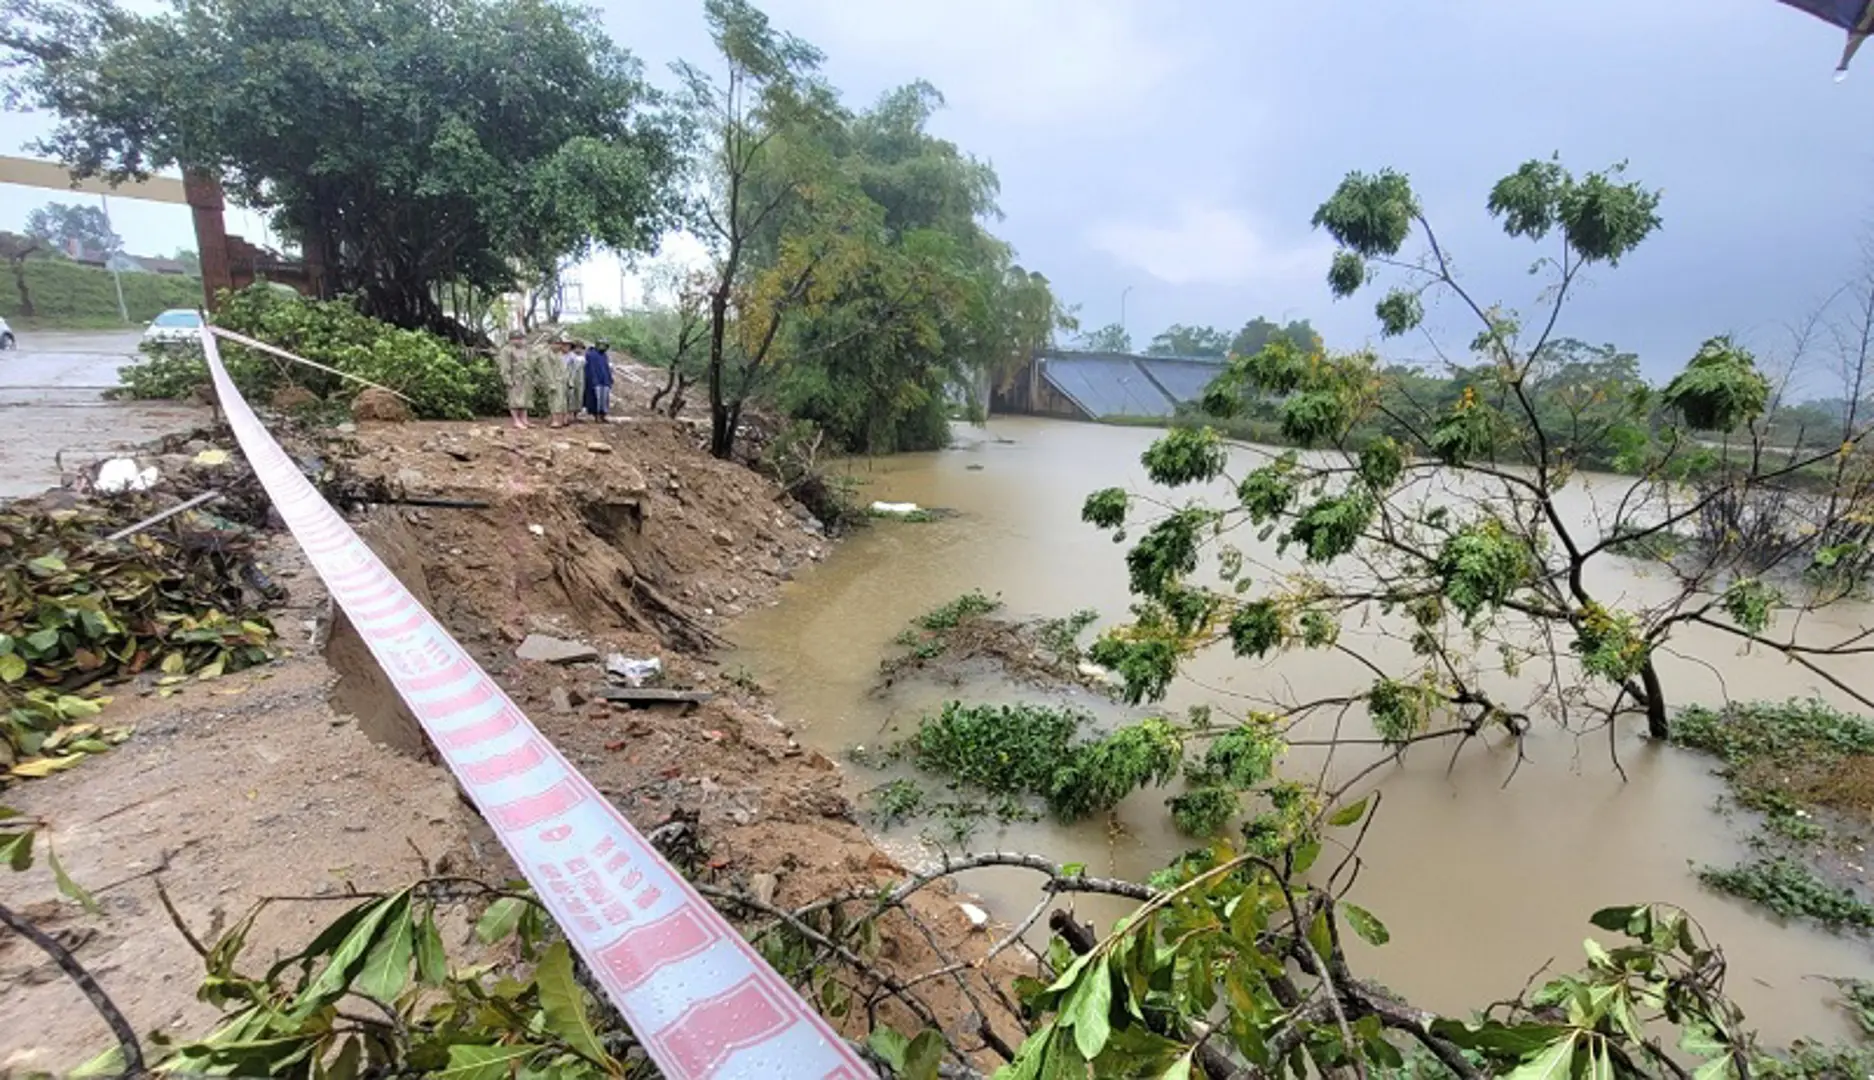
(67, 294)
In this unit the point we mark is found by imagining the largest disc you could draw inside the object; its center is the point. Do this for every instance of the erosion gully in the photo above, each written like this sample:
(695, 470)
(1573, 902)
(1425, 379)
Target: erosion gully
(1480, 881)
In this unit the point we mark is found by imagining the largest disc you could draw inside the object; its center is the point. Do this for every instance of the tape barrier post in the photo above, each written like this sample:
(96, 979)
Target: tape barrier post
(699, 998)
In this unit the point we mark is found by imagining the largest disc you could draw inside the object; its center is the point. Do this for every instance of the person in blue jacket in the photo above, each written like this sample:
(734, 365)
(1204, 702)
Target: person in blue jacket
(598, 396)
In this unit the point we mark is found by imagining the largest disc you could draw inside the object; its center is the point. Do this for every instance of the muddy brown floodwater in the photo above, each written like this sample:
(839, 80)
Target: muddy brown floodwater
(1480, 882)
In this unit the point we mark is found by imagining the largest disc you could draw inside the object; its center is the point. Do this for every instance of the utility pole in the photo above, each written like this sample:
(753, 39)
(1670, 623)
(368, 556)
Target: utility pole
(110, 260)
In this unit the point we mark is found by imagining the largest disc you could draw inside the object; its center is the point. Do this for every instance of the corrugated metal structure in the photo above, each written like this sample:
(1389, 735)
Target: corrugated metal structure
(1106, 386)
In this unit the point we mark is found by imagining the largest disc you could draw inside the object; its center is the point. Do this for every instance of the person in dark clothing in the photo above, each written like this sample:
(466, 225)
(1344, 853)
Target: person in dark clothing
(598, 396)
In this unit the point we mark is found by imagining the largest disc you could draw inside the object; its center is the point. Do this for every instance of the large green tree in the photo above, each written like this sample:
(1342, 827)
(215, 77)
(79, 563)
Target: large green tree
(856, 285)
(74, 227)
(759, 168)
(1259, 332)
(411, 142)
(1181, 340)
(1111, 338)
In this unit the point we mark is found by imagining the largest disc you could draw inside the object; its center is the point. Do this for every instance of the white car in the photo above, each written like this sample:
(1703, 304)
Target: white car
(176, 326)
(7, 341)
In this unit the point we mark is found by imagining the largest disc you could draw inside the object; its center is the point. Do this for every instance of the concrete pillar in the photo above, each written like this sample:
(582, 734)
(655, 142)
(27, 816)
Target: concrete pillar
(206, 203)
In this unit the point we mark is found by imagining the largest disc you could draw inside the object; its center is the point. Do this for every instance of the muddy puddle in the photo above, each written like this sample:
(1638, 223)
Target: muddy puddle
(1480, 882)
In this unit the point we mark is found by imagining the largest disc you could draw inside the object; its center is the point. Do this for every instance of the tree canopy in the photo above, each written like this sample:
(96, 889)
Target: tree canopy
(1181, 340)
(412, 143)
(1112, 338)
(70, 227)
(1259, 332)
(856, 284)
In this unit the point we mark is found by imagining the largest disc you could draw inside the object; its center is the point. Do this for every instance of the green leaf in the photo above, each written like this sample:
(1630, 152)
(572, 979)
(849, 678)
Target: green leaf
(108, 1064)
(1086, 1011)
(346, 1065)
(1348, 815)
(386, 970)
(1180, 1069)
(1306, 853)
(922, 1057)
(432, 960)
(12, 668)
(483, 1062)
(889, 1045)
(1554, 1062)
(1370, 929)
(47, 565)
(349, 957)
(564, 1003)
(69, 887)
(1616, 919)
(500, 919)
(75, 708)
(16, 849)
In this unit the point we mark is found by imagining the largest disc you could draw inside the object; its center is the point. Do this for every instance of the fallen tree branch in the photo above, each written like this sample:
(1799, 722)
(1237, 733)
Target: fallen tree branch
(120, 1026)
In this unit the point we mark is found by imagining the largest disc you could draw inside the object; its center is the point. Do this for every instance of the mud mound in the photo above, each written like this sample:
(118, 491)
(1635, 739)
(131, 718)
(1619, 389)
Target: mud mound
(624, 526)
(375, 404)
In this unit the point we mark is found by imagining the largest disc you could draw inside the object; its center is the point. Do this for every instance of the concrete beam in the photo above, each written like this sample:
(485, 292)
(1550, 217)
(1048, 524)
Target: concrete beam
(48, 174)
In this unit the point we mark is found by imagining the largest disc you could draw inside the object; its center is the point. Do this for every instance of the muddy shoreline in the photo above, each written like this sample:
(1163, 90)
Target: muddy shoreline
(306, 778)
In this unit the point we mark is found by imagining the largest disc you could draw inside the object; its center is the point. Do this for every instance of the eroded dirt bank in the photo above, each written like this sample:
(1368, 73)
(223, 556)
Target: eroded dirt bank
(303, 777)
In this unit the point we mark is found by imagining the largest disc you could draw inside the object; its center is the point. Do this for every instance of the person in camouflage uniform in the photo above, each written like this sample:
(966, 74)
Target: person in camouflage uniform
(516, 363)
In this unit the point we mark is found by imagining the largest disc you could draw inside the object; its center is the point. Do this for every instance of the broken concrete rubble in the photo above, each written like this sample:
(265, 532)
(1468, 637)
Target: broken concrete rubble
(551, 650)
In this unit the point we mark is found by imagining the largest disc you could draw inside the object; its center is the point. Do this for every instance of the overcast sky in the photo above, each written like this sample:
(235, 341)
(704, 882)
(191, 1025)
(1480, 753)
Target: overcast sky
(1179, 147)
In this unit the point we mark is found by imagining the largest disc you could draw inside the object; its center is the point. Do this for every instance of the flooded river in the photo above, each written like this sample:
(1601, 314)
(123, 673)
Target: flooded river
(1480, 882)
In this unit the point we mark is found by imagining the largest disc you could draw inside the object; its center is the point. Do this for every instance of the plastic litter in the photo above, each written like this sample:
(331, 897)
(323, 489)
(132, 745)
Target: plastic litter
(895, 509)
(633, 671)
(122, 474)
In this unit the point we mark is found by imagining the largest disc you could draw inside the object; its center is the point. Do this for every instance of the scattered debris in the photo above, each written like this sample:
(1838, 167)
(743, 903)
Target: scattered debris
(763, 886)
(121, 474)
(77, 611)
(979, 919)
(537, 530)
(633, 671)
(891, 509)
(633, 695)
(551, 650)
(599, 447)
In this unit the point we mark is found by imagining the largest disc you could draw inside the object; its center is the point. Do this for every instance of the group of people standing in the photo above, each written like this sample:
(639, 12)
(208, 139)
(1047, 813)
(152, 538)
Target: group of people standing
(575, 379)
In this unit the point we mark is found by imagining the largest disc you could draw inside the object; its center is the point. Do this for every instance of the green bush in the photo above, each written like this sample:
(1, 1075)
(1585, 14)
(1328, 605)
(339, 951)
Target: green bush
(441, 382)
(65, 292)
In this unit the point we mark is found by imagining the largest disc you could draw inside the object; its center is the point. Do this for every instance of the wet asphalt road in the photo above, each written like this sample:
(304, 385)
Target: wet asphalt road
(52, 406)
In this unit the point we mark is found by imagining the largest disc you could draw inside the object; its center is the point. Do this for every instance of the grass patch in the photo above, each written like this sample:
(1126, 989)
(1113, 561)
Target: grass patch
(1808, 768)
(73, 297)
(1792, 891)
(1751, 731)
(1037, 752)
(1002, 749)
(1045, 652)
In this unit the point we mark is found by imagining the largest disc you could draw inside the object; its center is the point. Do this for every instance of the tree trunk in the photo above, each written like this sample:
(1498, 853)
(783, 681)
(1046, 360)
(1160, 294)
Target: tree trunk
(721, 424)
(1657, 723)
(26, 295)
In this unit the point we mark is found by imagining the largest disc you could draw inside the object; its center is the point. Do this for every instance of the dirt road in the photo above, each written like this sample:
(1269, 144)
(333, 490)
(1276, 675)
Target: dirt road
(52, 406)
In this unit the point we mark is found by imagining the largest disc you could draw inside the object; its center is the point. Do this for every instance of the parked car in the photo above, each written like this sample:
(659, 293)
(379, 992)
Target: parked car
(174, 327)
(7, 341)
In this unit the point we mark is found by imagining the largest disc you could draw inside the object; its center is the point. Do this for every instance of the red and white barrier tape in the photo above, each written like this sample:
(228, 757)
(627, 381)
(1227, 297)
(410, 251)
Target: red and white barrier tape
(701, 1000)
